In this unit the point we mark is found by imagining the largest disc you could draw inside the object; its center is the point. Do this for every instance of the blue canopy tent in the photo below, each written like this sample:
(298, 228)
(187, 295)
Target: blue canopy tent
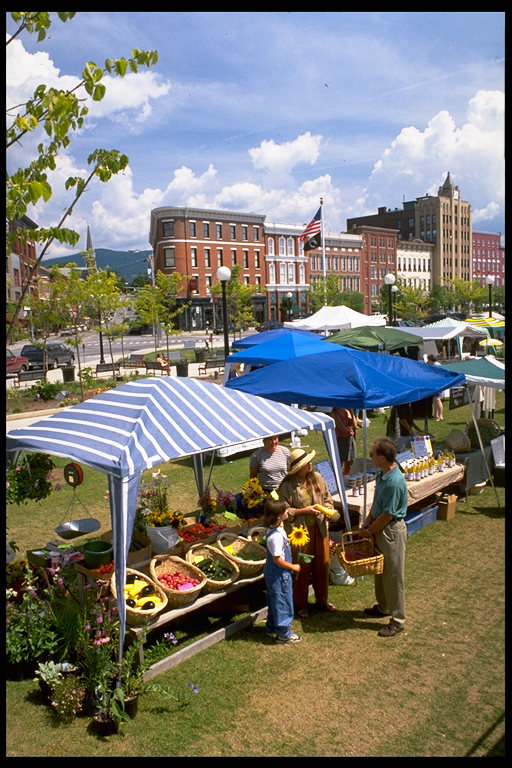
(144, 423)
(286, 347)
(349, 378)
(264, 336)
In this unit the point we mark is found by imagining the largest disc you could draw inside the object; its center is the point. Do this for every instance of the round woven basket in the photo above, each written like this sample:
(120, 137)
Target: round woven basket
(137, 618)
(213, 553)
(177, 598)
(232, 546)
(370, 565)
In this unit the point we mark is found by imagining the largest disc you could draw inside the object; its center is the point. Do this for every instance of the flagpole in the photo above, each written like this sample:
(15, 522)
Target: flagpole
(323, 248)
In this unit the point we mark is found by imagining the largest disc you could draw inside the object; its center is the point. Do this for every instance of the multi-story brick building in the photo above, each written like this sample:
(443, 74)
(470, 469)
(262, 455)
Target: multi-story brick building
(443, 220)
(20, 260)
(488, 258)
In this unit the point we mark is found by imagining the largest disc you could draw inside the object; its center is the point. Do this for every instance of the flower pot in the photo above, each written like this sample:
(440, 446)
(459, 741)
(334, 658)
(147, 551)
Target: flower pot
(104, 727)
(96, 553)
(162, 539)
(131, 706)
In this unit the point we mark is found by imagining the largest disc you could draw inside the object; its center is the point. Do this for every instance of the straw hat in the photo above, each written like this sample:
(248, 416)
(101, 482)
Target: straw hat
(299, 457)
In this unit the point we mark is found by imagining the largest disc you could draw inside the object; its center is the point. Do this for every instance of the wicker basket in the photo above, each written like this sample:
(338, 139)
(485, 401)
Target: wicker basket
(177, 598)
(205, 550)
(248, 568)
(256, 533)
(365, 566)
(137, 618)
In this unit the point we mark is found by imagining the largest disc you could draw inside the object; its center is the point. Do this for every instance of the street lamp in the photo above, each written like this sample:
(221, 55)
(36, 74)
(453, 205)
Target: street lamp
(389, 280)
(289, 296)
(394, 291)
(223, 274)
(490, 282)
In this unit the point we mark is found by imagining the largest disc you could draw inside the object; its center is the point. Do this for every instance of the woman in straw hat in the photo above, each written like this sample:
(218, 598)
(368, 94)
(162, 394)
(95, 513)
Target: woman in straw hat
(302, 488)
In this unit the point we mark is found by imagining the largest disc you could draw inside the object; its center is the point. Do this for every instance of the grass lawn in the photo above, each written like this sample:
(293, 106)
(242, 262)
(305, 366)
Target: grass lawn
(437, 689)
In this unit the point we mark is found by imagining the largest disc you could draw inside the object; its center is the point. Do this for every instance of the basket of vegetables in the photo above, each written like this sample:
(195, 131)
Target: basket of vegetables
(219, 569)
(144, 598)
(249, 556)
(258, 534)
(182, 582)
(358, 556)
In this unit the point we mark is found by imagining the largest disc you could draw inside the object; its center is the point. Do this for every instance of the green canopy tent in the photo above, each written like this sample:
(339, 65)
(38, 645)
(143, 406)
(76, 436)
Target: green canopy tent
(375, 339)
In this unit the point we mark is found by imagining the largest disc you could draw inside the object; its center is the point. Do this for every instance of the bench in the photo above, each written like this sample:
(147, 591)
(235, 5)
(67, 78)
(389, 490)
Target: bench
(217, 363)
(112, 368)
(152, 365)
(134, 361)
(175, 356)
(34, 375)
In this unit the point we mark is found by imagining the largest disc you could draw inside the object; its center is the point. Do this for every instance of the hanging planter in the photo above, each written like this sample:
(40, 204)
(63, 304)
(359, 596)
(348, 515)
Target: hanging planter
(29, 479)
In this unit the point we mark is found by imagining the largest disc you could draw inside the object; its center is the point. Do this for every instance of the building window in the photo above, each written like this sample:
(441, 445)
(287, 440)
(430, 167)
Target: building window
(256, 233)
(257, 280)
(207, 258)
(245, 254)
(193, 257)
(282, 244)
(302, 274)
(219, 257)
(256, 259)
(272, 274)
(218, 231)
(206, 229)
(233, 257)
(168, 228)
(192, 228)
(282, 273)
(208, 281)
(290, 246)
(232, 231)
(271, 246)
(291, 273)
(244, 232)
(169, 258)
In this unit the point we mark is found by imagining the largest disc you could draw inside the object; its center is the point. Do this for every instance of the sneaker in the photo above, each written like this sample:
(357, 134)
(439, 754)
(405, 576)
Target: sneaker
(292, 639)
(389, 630)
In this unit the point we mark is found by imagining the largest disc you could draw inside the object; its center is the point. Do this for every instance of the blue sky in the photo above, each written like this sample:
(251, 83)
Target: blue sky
(269, 111)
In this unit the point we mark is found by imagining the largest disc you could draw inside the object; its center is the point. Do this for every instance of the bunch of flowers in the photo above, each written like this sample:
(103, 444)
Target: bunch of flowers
(299, 537)
(67, 697)
(153, 508)
(224, 501)
(30, 478)
(253, 494)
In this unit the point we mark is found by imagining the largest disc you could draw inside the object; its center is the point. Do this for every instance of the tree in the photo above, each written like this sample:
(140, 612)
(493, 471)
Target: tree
(239, 302)
(55, 114)
(326, 291)
(156, 304)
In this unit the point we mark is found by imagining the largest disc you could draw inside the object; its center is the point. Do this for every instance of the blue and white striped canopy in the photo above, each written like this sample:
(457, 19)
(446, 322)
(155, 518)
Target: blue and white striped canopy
(144, 423)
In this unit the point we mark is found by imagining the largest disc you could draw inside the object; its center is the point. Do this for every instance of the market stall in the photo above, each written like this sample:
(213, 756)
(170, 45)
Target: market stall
(143, 423)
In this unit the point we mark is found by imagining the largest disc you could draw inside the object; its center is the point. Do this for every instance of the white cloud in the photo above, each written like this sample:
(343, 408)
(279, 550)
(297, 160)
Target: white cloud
(281, 158)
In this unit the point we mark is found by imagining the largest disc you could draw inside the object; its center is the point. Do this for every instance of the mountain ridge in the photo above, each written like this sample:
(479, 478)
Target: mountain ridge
(125, 263)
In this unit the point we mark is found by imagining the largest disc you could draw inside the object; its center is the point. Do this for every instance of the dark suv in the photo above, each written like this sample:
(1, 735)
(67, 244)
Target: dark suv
(56, 355)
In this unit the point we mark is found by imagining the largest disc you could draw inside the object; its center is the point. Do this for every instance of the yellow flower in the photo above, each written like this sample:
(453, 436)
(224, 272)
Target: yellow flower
(299, 536)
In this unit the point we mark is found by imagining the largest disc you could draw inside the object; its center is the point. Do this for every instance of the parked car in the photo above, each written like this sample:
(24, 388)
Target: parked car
(15, 363)
(270, 325)
(56, 355)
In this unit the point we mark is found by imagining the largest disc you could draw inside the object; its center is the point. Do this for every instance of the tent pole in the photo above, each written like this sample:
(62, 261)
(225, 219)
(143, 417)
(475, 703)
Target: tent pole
(489, 476)
(365, 479)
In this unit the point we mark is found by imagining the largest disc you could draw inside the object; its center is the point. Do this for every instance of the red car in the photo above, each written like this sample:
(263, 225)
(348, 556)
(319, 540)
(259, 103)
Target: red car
(15, 363)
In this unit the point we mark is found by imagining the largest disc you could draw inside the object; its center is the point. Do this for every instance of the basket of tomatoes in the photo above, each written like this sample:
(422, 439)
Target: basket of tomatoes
(182, 582)
(144, 598)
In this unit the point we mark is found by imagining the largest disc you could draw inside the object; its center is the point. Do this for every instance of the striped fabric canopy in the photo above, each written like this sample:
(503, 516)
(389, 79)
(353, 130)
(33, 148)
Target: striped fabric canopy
(143, 423)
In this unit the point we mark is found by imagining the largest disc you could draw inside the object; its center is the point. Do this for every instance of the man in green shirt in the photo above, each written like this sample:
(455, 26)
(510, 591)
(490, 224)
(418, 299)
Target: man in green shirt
(386, 522)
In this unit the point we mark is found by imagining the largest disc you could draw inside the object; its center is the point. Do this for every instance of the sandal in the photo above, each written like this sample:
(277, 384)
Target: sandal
(329, 607)
(303, 613)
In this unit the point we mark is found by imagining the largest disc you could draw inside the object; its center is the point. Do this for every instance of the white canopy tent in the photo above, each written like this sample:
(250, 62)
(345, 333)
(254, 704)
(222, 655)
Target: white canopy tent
(336, 318)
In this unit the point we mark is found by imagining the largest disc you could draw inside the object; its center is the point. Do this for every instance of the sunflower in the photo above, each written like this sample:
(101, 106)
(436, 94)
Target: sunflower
(299, 536)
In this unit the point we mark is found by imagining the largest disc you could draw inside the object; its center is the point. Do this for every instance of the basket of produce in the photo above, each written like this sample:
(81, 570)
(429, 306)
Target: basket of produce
(249, 556)
(144, 598)
(219, 569)
(182, 582)
(358, 556)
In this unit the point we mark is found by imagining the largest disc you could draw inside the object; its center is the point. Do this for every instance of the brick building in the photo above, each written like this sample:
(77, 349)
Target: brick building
(443, 220)
(488, 258)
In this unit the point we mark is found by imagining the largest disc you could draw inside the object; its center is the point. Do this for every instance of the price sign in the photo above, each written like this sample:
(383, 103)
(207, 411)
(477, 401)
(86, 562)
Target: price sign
(421, 445)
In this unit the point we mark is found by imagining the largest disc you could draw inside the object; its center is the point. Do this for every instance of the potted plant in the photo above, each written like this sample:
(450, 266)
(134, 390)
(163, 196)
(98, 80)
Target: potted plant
(162, 523)
(29, 478)
(49, 673)
(67, 697)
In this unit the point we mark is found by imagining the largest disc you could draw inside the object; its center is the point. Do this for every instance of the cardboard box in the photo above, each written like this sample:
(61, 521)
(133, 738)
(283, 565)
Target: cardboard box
(446, 506)
(137, 556)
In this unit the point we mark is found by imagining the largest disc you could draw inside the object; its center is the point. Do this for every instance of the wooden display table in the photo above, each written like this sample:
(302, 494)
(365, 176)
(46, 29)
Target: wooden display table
(418, 490)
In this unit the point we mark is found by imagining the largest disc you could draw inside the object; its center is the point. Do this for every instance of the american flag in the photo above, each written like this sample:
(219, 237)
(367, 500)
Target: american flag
(312, 234)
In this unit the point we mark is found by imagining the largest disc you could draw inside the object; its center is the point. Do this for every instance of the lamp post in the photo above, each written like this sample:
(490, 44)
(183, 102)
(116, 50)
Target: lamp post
(490, 282)
(389, 280)
(394, 291)
(289, 296)
(100, 319)
(223, 274)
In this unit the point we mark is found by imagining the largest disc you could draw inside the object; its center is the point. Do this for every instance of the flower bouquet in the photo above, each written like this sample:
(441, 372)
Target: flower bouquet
(253, 498)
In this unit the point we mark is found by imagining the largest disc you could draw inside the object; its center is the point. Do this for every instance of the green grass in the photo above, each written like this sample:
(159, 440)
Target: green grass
(435, 690)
